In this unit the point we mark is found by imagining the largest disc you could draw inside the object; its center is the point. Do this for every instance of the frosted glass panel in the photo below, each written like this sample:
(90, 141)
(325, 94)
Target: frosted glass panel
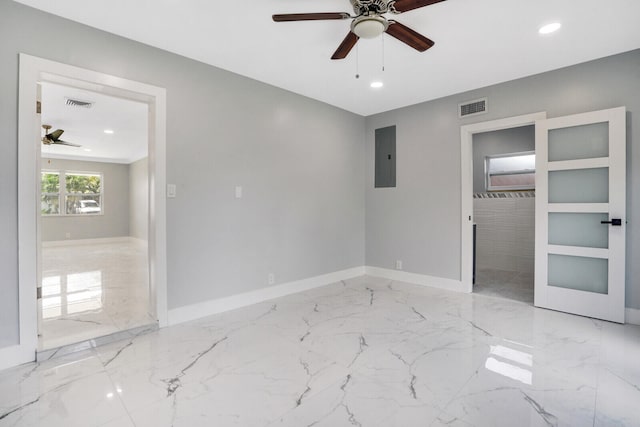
(580, 273)
(579, 142)
(579, 186)
(579, 229)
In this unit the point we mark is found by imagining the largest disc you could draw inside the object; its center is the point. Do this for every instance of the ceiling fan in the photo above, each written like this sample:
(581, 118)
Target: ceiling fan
(369, 22)
(54, 137)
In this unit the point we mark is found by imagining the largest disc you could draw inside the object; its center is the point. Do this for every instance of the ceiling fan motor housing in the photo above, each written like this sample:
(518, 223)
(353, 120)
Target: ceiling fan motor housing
(369, 7)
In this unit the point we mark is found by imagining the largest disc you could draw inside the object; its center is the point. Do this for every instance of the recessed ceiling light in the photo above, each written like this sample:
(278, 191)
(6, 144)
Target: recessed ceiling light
(108, 131)
(376, 85)
(550, 28)
(87, 150)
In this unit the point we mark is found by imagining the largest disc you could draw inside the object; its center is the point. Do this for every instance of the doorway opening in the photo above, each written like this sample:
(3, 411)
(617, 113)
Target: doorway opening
(467, 133)
(33, 73)
(504, 213)
(94, 216)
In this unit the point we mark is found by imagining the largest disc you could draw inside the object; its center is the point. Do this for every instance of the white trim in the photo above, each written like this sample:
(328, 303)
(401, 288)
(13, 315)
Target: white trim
(15, 355)
(632, 316)
(578, 251)
(579, 207)
(96, 241)
(466, 192)
(563, 165)
(418, 279)
(32, 71)
(220, 305)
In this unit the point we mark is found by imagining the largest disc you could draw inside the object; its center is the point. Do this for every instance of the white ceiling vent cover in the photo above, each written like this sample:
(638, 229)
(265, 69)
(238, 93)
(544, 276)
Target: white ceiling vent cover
(473, 108)
(78, 103)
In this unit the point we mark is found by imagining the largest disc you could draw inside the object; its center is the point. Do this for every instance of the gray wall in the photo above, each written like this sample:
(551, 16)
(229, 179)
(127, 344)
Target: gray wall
(139, 199)
(499, 142)
(114, 222)
(300, 163)
(419, 221)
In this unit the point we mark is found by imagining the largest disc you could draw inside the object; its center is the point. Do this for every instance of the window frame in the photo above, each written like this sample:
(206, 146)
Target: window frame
(62, 192)
(488, 174)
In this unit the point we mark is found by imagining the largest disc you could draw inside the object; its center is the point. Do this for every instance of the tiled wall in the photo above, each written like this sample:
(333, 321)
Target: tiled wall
(505, 231)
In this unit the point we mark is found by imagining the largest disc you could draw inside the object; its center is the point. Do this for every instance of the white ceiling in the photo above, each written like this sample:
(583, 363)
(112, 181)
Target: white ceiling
(85, 126)
(478, 42)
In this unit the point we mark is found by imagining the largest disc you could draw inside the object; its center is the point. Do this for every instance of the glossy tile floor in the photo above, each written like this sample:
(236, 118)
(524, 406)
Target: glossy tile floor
(504, 284)
(365, 352)
(91, 290)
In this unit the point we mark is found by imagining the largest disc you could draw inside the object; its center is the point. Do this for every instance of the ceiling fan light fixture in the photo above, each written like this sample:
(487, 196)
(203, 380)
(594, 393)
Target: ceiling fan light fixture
(369, 27)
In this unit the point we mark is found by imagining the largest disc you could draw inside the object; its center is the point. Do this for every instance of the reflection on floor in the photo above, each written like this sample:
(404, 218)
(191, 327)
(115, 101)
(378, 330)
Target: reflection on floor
(363, 352)
(91, 290)
(505, 284)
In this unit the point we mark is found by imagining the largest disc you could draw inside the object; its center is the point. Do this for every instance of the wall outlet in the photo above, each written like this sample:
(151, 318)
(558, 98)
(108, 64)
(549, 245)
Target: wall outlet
(67, 235)
(238, 192)
(398, 265)
(271, 278)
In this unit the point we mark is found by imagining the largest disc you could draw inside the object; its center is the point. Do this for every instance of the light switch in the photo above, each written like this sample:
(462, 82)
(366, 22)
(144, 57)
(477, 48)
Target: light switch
(238, 192)
(171, 191)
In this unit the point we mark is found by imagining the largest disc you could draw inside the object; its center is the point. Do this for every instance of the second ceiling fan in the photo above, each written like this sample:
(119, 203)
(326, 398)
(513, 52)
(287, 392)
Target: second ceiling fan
(369, 22)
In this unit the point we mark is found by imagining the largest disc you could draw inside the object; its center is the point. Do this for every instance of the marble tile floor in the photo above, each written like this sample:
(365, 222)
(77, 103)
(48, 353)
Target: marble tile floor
(362, 352)
(504, 284)
(92, 290)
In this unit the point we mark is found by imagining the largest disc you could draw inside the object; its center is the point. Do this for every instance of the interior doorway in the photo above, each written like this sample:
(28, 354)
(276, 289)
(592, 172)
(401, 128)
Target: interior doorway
(34, 71)
(467, 218)
(94, 216)
(504, 213)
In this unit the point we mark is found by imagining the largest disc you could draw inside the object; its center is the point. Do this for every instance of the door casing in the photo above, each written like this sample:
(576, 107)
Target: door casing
(466, 169)
(32, 71)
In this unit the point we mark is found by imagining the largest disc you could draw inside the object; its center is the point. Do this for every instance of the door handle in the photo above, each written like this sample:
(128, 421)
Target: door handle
(614, 221)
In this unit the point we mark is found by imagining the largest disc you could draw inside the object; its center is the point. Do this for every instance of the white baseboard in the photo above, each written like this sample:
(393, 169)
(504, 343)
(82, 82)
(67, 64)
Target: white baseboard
(15, 355)
(97, 241)
(418, 279)
(632, 316)
(220, 305)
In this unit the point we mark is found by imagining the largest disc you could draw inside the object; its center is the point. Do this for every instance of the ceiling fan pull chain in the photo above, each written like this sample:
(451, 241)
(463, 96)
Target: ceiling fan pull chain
(357, 62)
(382, 38)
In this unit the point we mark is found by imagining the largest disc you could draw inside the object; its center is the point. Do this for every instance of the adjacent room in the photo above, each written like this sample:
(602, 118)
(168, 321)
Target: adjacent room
(93, 217)
(355, 213)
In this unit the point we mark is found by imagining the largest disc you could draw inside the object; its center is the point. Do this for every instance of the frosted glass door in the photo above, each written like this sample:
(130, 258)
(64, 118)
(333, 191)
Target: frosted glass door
(580, 207)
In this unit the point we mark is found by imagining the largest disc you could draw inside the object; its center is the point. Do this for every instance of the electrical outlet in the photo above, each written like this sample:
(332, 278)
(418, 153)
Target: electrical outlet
(238, 192)
(398, 265)
(67, 235)
(271, 278)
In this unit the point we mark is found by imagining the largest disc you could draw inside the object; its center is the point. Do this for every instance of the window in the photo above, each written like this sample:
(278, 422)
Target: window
(514, 171)
(50, 193)
(76, 193)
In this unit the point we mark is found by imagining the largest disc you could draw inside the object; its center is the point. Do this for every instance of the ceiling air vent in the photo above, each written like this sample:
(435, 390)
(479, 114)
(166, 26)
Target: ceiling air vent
(472, 108)
(78, 103)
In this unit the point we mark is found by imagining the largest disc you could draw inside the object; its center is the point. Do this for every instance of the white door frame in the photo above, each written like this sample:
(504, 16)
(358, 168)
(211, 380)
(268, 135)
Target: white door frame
(32, 71)
(466, 172)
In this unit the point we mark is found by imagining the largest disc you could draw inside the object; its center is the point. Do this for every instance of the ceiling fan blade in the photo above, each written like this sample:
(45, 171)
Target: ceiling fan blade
(70, 144)
(345, 47)
(310, 16)
(408, 36)
(55, 134)
(405, 5)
